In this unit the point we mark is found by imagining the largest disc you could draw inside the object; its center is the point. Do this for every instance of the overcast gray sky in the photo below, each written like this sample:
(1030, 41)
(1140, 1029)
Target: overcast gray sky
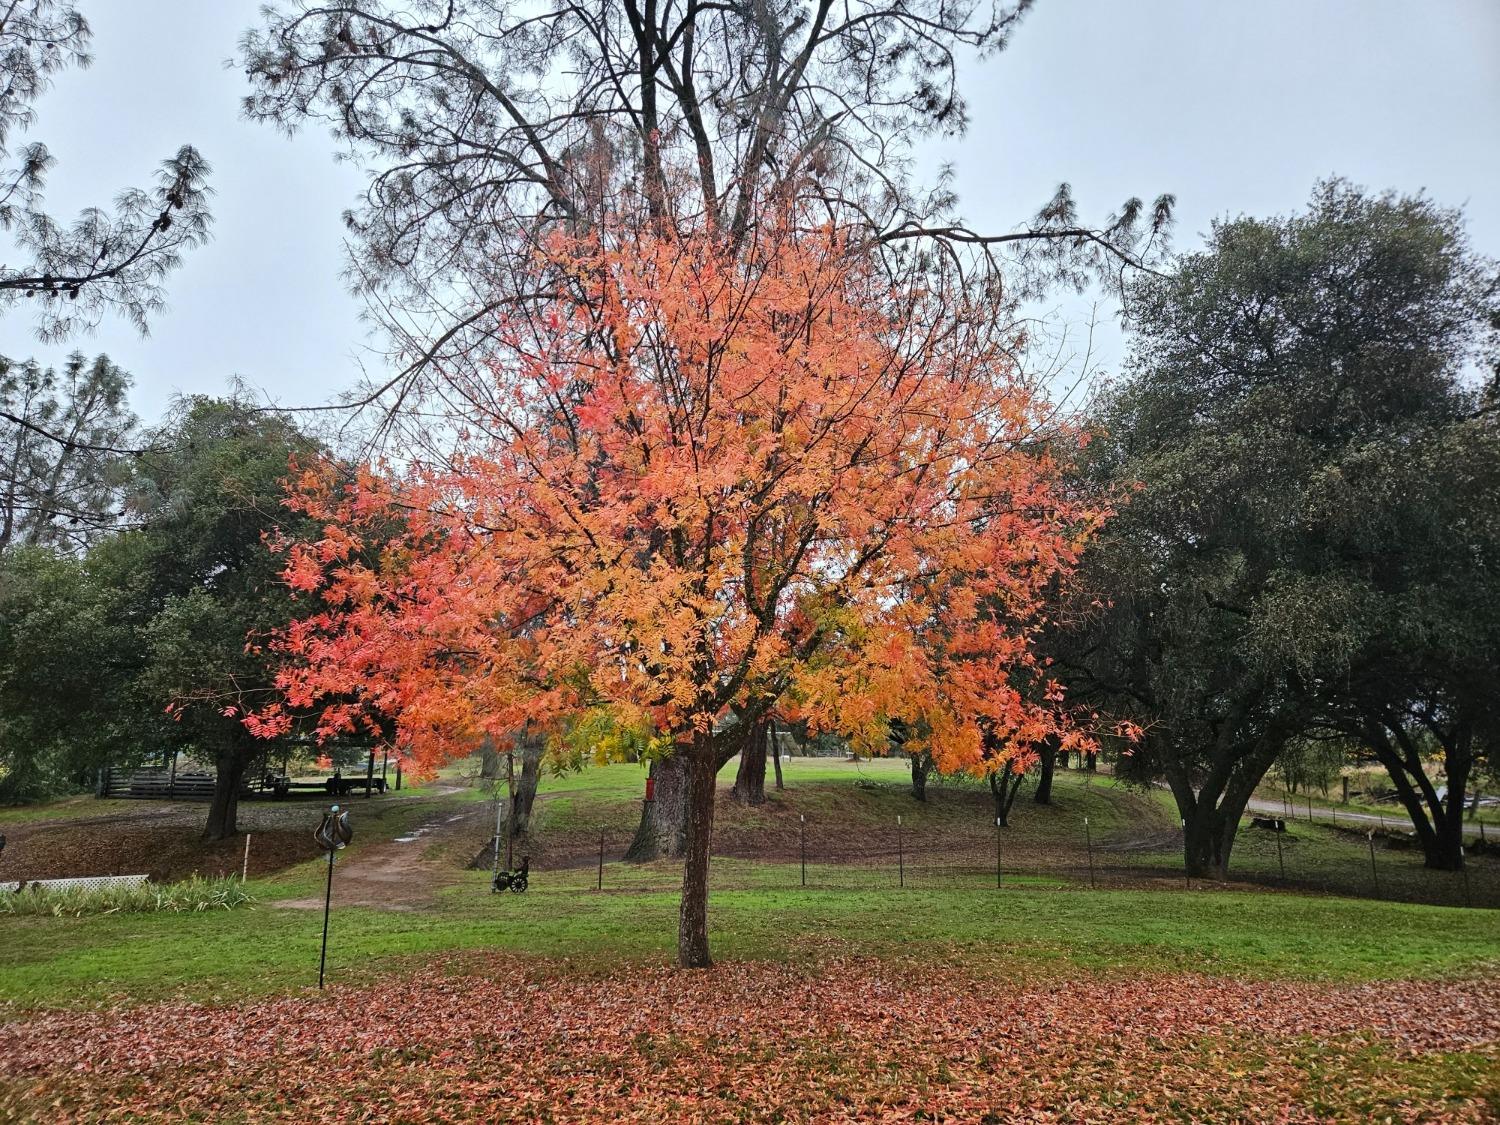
(1234, 107)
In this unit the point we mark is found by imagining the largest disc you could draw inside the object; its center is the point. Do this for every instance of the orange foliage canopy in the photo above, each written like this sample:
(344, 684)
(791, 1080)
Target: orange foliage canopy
(693, 484)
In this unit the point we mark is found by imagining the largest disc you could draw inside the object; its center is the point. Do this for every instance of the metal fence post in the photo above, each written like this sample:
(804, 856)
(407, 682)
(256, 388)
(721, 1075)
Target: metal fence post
(495, 839)
(802, 844)
(1089, 840)
(600, 887)
(1374, 874)
(900, 856)
(997, 853)
(1463, 867)
(1187, 867)
(1280, 862)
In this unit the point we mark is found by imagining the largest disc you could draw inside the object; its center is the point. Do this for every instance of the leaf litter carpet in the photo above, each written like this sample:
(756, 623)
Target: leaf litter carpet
(506, 1039)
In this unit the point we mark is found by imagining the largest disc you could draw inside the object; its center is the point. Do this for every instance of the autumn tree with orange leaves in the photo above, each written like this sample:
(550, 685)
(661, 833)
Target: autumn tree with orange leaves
(693, 486)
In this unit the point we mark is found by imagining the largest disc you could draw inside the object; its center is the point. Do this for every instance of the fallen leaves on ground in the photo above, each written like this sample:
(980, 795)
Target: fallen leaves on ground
(850, 1040)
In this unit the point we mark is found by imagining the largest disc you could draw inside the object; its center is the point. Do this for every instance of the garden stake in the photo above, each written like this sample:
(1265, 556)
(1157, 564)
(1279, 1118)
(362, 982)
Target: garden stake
(900, 857)
(1374, 875)
(1463, 867)
(245, 870)
(1089, 840)
(332, 834)
(802, 844)
(997, 853)
(327, 904)
(1280, 862)
(600, 887)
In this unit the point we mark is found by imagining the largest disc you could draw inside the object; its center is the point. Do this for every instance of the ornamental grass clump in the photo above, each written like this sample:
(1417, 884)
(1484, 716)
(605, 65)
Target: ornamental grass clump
(176, 898)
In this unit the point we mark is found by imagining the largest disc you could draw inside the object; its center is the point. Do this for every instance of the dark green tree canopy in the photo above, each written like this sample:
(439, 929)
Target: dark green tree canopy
(1296, 390)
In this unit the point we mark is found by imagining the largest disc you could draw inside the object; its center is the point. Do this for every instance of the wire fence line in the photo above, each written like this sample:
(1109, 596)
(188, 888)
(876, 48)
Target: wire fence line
(1346, 860)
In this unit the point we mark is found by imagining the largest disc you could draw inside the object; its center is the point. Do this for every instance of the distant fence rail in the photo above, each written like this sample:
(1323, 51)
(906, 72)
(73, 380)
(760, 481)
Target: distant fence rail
(162, 783)
(156, 784)
(1334, 859)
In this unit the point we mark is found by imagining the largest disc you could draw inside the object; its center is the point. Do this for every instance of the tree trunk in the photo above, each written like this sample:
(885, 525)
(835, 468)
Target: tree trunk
(490, 764)
(1211, 814)
(1438, 822)
(1212, 822)
(919, 768)
(1206, 852)
(531, 746)
(1043, 794)
(692, 928)
(750, 780)
(223, 809)
(1449, 854)
(1004, 786)
(776, 757)
(662, 833)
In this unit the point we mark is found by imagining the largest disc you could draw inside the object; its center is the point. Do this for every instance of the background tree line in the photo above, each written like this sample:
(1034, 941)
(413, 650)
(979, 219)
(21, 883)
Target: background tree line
(1301, 452)
(1303, 568)
(134, 580)
(1307, 450)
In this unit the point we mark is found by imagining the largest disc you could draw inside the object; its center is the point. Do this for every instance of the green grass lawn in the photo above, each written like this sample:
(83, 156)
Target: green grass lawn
(1328, 856)
(259, 949)
(1045, 920)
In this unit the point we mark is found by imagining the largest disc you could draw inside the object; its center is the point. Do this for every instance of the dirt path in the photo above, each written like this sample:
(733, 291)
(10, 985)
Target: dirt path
(402, 873)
